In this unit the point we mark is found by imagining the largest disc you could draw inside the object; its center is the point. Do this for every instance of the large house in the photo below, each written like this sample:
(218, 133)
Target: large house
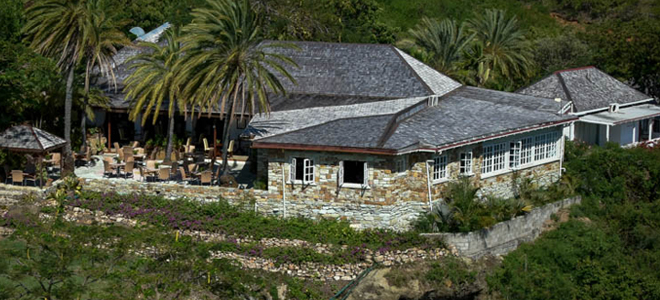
(609, 110)
(371, 125)
(371, 134)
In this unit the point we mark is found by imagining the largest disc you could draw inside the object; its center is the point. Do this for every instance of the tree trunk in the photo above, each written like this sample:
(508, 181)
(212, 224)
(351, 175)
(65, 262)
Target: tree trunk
(170, 135)
(83, 127)
(225, 141)
(68, 99)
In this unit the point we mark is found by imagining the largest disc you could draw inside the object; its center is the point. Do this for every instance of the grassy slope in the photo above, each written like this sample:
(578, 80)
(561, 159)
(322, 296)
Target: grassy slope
(405, 14)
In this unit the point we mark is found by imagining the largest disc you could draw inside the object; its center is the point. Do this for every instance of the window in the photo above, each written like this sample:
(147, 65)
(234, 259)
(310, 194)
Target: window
(465, 164)
(545, 146)
(526, 151)
(400, 164)
(439, 167)
(494, 158)
(353, 172)
(514, 154)
(301, 170)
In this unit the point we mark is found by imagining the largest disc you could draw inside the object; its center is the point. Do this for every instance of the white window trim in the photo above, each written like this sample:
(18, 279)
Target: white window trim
(503, 170)
(470, 172)
(298, 181)
(557, 136)
(352, 185)
(432, 166)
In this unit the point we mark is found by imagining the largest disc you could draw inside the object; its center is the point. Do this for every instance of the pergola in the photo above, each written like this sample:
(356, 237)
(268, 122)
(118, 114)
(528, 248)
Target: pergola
(27, 139)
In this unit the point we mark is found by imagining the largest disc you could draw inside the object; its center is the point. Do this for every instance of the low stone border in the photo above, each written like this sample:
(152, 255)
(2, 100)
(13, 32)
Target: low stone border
(504, 237)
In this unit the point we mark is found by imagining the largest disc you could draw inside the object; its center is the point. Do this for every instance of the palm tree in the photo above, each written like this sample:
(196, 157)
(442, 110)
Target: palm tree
(227, 64)
(153, 81)
(505, 50)
(60, 29)
(103, 38)
(443, 43)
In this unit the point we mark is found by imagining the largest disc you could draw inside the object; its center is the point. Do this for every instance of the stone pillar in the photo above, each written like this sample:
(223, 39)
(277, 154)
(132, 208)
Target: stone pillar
(607, 133)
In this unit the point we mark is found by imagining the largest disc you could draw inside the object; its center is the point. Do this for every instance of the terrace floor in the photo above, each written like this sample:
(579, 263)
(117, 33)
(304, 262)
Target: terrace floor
(239, 169)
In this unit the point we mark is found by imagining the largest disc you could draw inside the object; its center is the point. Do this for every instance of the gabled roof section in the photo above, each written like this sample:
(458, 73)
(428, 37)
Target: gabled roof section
(439, 83)
(371, 70)
(589, 88)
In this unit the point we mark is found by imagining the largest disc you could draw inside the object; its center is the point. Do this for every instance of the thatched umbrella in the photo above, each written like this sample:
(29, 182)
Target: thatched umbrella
(27, 139)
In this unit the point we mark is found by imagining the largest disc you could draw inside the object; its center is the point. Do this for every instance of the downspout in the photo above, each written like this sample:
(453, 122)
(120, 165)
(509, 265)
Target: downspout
(283, 192)
(561, 154)
(428, 184)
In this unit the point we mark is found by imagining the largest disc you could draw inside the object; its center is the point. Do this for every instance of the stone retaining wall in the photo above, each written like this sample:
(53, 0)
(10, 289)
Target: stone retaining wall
(504, 237)
(396, 216)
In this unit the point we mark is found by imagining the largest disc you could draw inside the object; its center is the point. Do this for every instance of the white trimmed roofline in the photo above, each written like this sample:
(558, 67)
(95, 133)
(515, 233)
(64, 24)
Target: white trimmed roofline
(606, 108)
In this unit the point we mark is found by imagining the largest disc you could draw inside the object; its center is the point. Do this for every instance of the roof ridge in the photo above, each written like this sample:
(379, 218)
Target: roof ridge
(394, 123)
(34, 134)
(575, 69)
(405, 62)
(332, 43)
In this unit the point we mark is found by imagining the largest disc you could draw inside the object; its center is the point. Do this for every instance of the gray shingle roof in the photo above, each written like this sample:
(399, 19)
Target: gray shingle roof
(471, 113)
(465, 114)
(279, 122)
(29, 139)
(588, 88)
(372, 70)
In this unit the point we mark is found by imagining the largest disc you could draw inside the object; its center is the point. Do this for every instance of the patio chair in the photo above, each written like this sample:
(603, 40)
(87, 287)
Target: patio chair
(164, 174)
(230, 149)
(108, 170)
(128, 169)
(136, 144)
(145, 176)
(121, 155)
(206, 177)
(207, 149)
(185, 177)
(127, 151)
(151, 164)
(192, 168)
(17, 176)
(117, 150)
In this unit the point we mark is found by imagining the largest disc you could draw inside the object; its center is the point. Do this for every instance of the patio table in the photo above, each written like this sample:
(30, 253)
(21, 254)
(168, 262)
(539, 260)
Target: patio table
(118, 167)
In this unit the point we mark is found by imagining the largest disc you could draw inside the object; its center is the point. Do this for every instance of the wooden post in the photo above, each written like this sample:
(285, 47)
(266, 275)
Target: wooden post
(41, 171)
(109, 133)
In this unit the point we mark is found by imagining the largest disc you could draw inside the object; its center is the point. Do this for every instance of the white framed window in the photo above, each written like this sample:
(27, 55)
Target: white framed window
(439, 167)
(301, 170)
(353, 174)
(515, 148)
(545, 146)
(401, 165)
(465, 163)
(527, 146)
(494, 158)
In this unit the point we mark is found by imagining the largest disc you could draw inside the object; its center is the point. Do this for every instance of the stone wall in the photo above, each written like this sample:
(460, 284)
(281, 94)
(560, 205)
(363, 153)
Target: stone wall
(504, 237)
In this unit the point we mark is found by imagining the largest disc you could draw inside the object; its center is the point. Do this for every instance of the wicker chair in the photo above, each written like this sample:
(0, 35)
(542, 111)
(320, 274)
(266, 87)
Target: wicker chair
(128, 169)
(164, 174)
(206, 177)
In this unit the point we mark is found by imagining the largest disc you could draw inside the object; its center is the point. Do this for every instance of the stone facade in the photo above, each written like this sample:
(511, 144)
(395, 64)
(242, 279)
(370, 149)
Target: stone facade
(504, 237)
(392, 199)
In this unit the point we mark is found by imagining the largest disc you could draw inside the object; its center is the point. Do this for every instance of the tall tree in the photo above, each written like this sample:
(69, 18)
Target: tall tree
(442, 42)
(153, 81)
(227, 64)
(104, 36)
(60, 29)
(504, 49)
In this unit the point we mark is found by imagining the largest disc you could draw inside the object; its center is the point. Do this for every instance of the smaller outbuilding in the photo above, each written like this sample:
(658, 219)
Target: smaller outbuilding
(609, 110)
